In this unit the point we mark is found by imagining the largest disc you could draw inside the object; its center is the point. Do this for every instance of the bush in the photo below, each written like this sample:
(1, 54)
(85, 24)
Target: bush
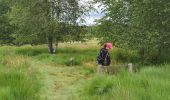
(122, 55)
(154, 56)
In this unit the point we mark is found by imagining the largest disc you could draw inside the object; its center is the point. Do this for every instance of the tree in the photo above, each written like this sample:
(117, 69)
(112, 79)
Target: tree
(138, 25)
(52, 20)
(5, 27)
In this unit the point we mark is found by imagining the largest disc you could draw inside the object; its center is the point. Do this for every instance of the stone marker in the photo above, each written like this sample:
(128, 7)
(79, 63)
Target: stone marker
(130, 67)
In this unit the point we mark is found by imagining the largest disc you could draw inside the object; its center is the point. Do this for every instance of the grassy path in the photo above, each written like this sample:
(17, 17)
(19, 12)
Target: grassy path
(60, 83)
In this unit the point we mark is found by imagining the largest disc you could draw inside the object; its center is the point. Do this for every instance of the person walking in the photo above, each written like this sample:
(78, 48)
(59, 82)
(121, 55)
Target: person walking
(103, 58)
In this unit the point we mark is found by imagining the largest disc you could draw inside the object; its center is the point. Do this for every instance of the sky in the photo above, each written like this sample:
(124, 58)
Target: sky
(93, 15)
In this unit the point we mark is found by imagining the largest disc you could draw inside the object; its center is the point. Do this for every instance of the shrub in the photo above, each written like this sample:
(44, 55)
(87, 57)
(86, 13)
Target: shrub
(122, 55)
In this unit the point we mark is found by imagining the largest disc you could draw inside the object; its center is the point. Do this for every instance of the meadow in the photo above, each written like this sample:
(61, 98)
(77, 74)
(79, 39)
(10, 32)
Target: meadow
(31, 73)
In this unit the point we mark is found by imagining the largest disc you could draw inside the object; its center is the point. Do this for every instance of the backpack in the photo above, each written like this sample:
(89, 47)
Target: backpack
(105, 63)
(102, 60)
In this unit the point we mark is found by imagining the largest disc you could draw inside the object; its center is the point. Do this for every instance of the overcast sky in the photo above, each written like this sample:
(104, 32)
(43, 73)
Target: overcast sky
(93, 15)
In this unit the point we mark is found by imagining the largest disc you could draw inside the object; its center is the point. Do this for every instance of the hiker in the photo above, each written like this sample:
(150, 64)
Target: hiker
(103, 58)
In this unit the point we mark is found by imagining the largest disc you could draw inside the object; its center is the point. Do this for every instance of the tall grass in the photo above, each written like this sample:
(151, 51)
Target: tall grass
(82, 56)
(149, 84)
(62, 57)
(18, 80)
(18, 76)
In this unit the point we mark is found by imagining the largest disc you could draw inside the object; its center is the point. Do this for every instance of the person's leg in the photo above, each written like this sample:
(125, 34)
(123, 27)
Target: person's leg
(100, 68)
(107, 69)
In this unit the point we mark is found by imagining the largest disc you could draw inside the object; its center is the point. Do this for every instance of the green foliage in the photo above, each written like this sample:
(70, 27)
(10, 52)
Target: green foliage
(137, 25)
(5, 27)
(125, 56)
(42, 21)
(55, 21)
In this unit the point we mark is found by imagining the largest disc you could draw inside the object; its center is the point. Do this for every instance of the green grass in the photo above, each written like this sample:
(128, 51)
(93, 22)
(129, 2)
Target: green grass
(18, 80)
(31, 73)
(149, 84)
(82, 55)
(27, 72)
(62, 57)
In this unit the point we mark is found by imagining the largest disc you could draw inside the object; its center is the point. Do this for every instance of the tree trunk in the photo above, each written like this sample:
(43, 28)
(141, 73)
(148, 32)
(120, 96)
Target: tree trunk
(56, 46)
(50, 44)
